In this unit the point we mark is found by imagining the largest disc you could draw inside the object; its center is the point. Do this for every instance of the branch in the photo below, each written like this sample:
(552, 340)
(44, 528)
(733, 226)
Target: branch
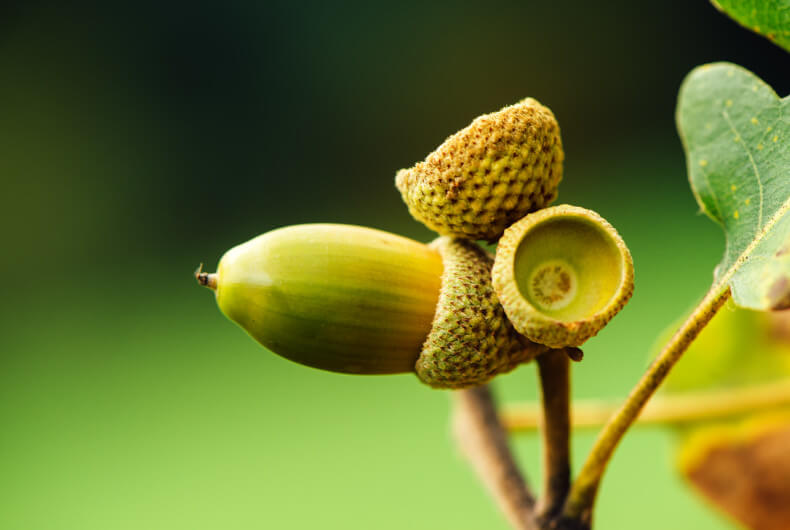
(583, 491)
(483, 440)
(681, 408)
(554, 371)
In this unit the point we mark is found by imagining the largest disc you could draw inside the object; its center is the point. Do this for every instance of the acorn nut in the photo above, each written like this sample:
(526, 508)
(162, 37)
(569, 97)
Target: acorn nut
(488, 175)
(357, 300)
(561, 274)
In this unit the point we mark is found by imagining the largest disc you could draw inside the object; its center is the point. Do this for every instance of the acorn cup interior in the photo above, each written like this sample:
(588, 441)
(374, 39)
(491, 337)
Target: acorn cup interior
(567, 268)
(561, 274)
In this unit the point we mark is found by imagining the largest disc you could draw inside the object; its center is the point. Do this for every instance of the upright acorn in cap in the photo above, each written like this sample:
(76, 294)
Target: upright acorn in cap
(357, 300)
(562, 274)
(488, 175)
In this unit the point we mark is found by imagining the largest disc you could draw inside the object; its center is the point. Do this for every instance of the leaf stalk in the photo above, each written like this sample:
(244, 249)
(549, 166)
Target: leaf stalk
(581, 498)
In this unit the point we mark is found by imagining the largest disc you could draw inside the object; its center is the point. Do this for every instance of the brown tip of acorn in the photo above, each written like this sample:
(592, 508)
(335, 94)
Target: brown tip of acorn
(205, 279)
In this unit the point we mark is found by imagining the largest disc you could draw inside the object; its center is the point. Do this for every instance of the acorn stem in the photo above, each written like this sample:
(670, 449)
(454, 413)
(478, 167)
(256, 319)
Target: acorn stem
(554, 372)
(689, 407)
(581, 498)
(483, 440)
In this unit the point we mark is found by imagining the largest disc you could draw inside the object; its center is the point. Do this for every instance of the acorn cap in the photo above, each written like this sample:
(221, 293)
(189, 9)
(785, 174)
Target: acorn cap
(561, 274)
(471, 339)
(488, 175)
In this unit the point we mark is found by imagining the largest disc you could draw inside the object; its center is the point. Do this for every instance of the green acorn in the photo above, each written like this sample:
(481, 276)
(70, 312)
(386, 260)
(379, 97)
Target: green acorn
(561, 274)
(357, 300)
(488, 175)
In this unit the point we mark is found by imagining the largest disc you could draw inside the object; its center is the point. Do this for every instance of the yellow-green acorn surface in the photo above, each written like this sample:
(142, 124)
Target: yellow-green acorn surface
(357, 300)
(488, 175)
(341, 298)
(561, 274)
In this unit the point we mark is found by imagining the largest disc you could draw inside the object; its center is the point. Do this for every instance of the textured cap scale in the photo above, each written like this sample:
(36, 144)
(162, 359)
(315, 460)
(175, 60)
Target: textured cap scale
(488, 175)
(471, 339)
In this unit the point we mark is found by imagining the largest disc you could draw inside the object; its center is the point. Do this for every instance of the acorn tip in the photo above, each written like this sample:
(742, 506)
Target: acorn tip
(205, 279)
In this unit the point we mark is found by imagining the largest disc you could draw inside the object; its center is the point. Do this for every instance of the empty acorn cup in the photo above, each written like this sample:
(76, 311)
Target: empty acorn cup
(561, 274)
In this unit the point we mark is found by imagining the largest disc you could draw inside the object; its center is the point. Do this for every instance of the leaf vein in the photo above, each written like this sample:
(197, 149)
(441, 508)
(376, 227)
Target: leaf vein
(775, 218)
(712, 191)
(754, 167)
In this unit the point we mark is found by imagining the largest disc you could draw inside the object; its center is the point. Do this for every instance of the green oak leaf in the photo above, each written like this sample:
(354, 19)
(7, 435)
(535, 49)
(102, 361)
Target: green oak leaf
(770, 18)
(736, 133)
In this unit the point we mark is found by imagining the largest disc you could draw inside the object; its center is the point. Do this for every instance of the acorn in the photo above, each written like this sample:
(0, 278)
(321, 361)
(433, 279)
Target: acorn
(357, 300)
(561, 274)
(488, 175)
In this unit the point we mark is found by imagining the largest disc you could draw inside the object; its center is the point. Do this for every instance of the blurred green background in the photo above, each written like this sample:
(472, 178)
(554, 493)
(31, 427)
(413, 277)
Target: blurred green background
(139, 140)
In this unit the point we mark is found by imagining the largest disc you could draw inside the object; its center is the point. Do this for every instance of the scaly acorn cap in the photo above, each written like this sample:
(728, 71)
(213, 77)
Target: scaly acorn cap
(356, 300)
(488, 175)
(561, 274)
(471, 340)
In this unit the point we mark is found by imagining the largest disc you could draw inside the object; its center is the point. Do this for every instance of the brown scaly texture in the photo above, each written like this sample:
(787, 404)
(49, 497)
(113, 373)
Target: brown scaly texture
(488, 175)
(471, 340)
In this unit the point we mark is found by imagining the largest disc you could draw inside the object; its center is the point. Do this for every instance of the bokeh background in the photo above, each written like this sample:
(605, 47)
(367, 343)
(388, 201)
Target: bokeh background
(138, 140)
